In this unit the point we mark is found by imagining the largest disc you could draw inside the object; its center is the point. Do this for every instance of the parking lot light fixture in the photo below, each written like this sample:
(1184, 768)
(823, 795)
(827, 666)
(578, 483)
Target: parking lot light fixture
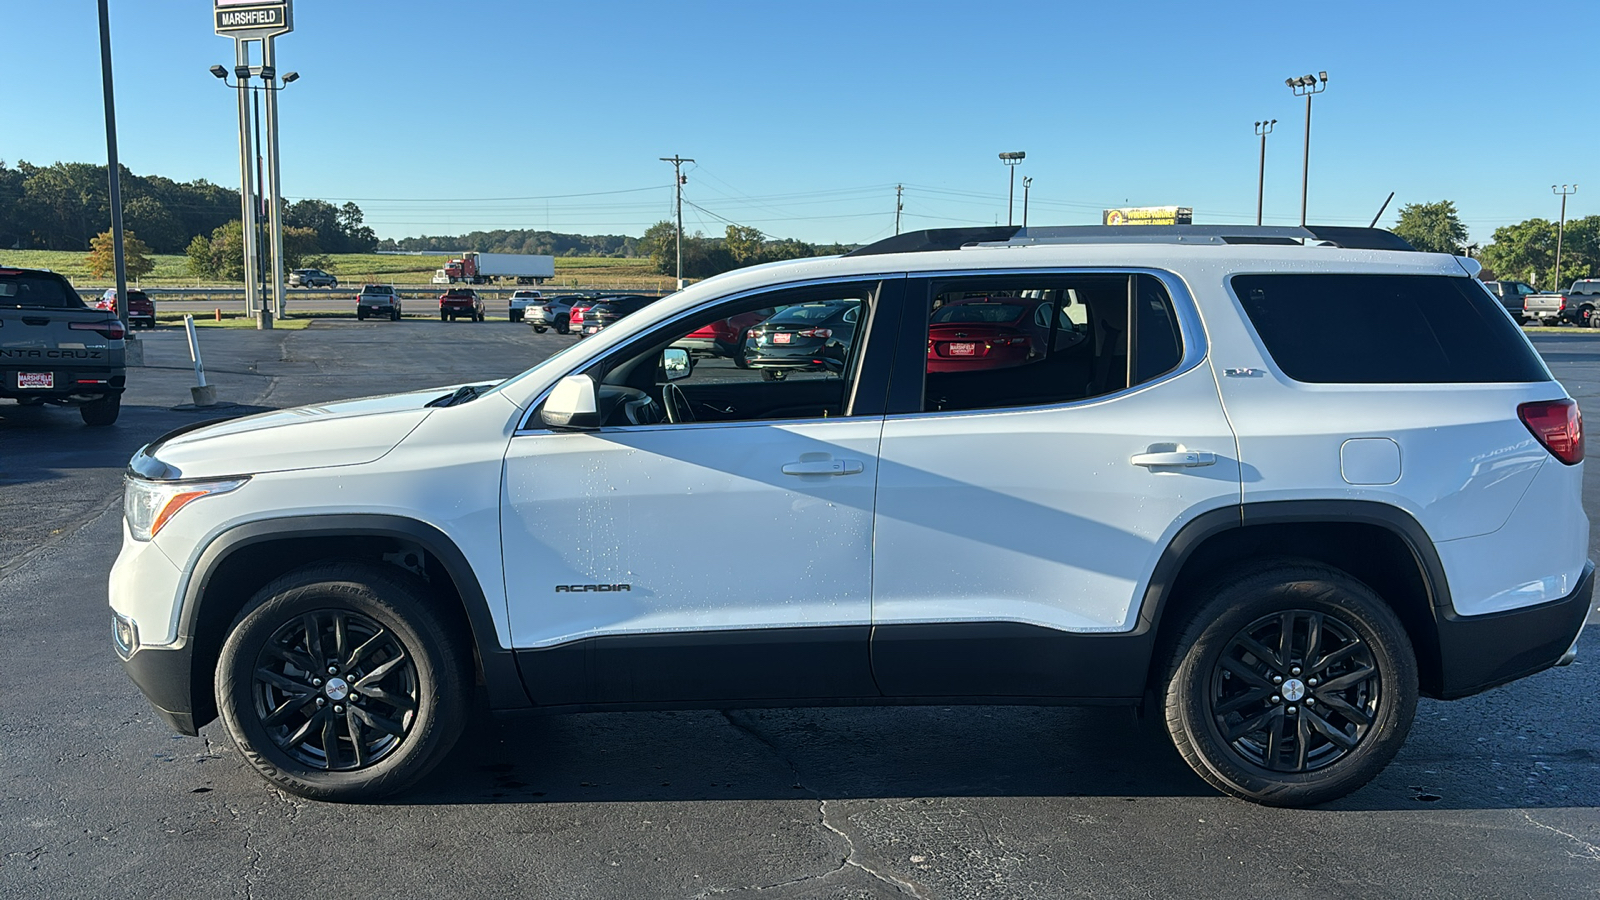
(1263, 128)
(220, 72)
(1306, 86)
(1011, 159)
(291, 77)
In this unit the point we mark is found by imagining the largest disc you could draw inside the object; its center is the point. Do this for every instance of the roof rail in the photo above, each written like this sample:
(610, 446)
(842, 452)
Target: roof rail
(1013, 236)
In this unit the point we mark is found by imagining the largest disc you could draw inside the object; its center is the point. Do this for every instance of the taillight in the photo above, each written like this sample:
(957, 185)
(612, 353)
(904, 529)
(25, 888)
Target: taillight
(815, 332)
(110, 329)
(1558, 425)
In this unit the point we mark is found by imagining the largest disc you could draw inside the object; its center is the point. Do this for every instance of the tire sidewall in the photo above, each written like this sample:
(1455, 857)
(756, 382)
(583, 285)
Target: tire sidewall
(439, 717)
(1188, 702)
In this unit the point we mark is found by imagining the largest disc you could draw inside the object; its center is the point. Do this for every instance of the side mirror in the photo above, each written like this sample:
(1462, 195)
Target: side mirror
(572, 404)
(675, 363)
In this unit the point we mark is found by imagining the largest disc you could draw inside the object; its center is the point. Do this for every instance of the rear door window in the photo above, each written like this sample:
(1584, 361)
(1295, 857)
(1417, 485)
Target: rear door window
(36, 290)
(1380, 329)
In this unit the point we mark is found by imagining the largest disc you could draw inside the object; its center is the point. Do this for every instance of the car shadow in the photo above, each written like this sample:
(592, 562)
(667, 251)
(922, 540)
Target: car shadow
(1525, 745)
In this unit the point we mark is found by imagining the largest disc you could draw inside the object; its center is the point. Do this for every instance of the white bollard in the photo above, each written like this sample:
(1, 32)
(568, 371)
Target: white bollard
(203, 394)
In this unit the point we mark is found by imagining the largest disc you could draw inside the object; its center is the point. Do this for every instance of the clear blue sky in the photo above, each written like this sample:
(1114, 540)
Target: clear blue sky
(441, 117)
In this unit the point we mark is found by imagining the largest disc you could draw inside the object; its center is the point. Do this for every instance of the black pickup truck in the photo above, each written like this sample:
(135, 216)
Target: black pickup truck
(55, 349)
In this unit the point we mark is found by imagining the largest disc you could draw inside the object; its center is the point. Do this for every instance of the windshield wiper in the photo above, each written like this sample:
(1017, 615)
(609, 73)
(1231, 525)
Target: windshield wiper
(460, 395)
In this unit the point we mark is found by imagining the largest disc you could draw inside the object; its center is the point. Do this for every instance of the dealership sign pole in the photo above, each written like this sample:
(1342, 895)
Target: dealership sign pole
(246, 21)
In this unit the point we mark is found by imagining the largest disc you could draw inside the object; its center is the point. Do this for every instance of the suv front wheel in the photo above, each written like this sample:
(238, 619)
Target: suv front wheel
(341, 682)
(1293, 684)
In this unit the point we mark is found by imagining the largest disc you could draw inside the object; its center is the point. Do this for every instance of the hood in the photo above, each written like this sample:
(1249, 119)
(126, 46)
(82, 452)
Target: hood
(346, 433)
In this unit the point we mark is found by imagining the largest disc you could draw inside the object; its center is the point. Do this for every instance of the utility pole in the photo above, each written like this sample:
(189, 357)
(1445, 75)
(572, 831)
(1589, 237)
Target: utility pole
(677, 184)
(1306, 86)
(113, 168)
(1565, 191)
(1027, 182)
(899, 190)
(1263, 129)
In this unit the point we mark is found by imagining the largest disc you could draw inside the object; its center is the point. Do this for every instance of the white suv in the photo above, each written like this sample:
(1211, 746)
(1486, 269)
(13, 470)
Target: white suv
(1270, 484)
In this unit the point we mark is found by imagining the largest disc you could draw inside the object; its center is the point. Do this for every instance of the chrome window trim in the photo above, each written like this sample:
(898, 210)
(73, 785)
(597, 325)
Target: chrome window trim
(590, 361)
(1190, 328)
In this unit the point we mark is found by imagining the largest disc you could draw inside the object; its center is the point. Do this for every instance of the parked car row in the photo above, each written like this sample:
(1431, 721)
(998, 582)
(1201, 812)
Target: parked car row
(1526, 303)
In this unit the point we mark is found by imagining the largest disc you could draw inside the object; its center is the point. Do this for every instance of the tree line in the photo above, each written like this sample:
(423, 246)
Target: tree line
(65, 205)
(739, 246)
(1525, 251)
(543, 243)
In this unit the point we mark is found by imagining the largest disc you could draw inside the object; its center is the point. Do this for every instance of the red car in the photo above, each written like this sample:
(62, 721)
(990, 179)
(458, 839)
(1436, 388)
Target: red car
(575, 317)
(724, 337)
(982, 333)
(141, 309)
(460, 303)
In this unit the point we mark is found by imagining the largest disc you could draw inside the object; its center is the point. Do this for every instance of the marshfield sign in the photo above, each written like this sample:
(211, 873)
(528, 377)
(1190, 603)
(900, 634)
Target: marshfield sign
(1148, 215)
(253, 19)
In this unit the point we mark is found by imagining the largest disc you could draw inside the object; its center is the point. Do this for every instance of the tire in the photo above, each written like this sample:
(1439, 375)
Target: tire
(101, 412)
(563, 325)
(394, 315)
(739, 358)
(480, 317)
(443, 317)
(516, 315)
(413, 662)
(361, 315)
(539, 329)
(1289, 758)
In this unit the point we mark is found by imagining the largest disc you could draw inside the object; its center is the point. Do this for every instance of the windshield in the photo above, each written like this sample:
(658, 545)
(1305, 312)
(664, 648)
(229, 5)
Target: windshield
(808, 312)
(978, 312)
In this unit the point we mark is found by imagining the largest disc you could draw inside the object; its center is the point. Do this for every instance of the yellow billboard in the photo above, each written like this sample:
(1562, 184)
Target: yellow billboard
(1148, 215)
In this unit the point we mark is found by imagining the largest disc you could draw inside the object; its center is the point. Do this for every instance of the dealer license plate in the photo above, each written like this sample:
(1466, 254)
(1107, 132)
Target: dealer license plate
(961, 349)
(43, 380)
(782, 337)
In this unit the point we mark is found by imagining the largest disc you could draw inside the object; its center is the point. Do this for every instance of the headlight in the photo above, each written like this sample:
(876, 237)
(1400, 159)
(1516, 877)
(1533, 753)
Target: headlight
(148, 505)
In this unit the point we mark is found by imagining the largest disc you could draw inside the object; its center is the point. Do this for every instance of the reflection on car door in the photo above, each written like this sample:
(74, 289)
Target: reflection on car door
(1012, 520)
(702, 561)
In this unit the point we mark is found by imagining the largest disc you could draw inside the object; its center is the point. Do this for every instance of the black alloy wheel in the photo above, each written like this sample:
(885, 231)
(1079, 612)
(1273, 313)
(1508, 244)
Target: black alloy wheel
(348, 714)
(1291, 684)
(344, 681)
(1295, 691)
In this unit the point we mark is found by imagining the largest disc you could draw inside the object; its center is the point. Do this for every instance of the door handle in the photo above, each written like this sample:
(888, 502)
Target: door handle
(824, 467)
(1186, 458)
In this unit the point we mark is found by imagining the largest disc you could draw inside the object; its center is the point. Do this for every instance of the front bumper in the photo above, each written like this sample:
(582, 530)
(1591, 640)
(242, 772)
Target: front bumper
(1480, 652)
(163, 673)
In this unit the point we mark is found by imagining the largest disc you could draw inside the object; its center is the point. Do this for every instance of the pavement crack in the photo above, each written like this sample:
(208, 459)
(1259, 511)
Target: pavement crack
(849, 859)
(254, 868)
(1590, 851)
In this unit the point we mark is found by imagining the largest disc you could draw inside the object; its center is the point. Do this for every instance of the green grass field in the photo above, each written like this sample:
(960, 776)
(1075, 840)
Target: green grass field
(355, 268)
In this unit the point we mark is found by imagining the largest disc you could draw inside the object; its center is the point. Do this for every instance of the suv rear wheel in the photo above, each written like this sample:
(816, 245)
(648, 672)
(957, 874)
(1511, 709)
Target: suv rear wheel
(1293, 684)
(340, 682)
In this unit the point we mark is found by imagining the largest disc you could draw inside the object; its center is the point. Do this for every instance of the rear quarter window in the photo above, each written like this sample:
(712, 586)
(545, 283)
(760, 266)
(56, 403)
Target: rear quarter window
(1376, 329)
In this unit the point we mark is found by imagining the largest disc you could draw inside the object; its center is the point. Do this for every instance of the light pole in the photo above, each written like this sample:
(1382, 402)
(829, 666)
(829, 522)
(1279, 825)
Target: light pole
(250, 178)
(1565, 191)
(113, 169)
(1307, 86)
(677, 185)
(1011, 160)
(1263, 128)
(1027, 182)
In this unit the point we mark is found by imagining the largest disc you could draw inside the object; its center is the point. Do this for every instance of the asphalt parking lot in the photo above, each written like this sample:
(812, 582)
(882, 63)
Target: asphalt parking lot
(1494, 796)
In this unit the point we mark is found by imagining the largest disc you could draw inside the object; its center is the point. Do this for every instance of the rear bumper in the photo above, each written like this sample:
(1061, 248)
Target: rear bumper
(1481, 652)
